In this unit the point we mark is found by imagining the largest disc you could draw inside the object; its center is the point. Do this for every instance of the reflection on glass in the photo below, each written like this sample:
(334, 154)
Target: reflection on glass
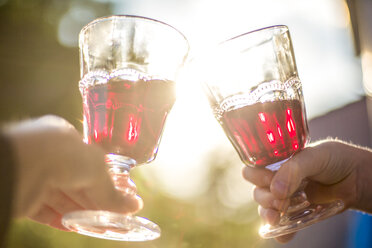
(128, 67)
(256, 95)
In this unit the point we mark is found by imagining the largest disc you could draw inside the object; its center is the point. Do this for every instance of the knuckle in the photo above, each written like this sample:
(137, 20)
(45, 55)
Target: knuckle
(266, 179)
(50, 118)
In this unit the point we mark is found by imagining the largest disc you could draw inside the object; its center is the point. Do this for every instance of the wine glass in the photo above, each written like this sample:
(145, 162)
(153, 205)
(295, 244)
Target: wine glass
(128, 68)
(253, 88)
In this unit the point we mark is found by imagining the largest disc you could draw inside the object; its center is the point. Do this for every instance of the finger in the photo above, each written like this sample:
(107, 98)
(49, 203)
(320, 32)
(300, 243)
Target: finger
(57, 223)
(285, 238)
(258, 176)
(61, 202)
(81, 198)
(48, 216)
(269, 215)
(267, 200)
(123, 183)
(272, 217)
(107, 197)
(58, 204)
(94, 188)
(114, 200)
(309, 162)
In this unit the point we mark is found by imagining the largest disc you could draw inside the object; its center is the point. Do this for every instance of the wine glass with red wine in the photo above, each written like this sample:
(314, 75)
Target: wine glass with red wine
(128, 69)
(255, 93)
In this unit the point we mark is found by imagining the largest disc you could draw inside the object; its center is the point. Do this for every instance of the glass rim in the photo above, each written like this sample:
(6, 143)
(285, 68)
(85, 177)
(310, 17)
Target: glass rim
(133, 17)
(283, 28)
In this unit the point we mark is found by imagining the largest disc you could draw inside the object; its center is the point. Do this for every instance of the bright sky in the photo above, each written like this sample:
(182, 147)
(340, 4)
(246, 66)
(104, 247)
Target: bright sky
(328, 69)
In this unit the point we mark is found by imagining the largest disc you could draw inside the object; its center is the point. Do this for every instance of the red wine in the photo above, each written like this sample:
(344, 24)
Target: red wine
(126, 117)
(266, 133)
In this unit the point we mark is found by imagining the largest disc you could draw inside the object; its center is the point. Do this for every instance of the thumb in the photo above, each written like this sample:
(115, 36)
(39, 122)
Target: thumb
(309, 163)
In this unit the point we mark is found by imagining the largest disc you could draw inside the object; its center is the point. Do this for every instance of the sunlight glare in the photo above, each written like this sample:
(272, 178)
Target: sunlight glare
(191, 132)
(320, 31)
(367, 71)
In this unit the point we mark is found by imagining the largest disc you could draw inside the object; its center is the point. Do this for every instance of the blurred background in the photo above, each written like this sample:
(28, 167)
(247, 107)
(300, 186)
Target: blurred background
(194, 189)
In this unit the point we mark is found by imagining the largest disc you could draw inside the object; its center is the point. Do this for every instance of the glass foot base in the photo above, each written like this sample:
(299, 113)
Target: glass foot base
(300, 219)
(109, 225)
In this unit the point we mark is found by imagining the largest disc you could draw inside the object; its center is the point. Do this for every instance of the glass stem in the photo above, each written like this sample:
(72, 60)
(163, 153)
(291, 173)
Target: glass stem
(119, 168)
(299, 206)
(298, 201)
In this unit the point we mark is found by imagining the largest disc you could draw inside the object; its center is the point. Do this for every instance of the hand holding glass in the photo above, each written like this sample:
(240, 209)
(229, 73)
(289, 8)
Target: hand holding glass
(256, 95)
(128, 68)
